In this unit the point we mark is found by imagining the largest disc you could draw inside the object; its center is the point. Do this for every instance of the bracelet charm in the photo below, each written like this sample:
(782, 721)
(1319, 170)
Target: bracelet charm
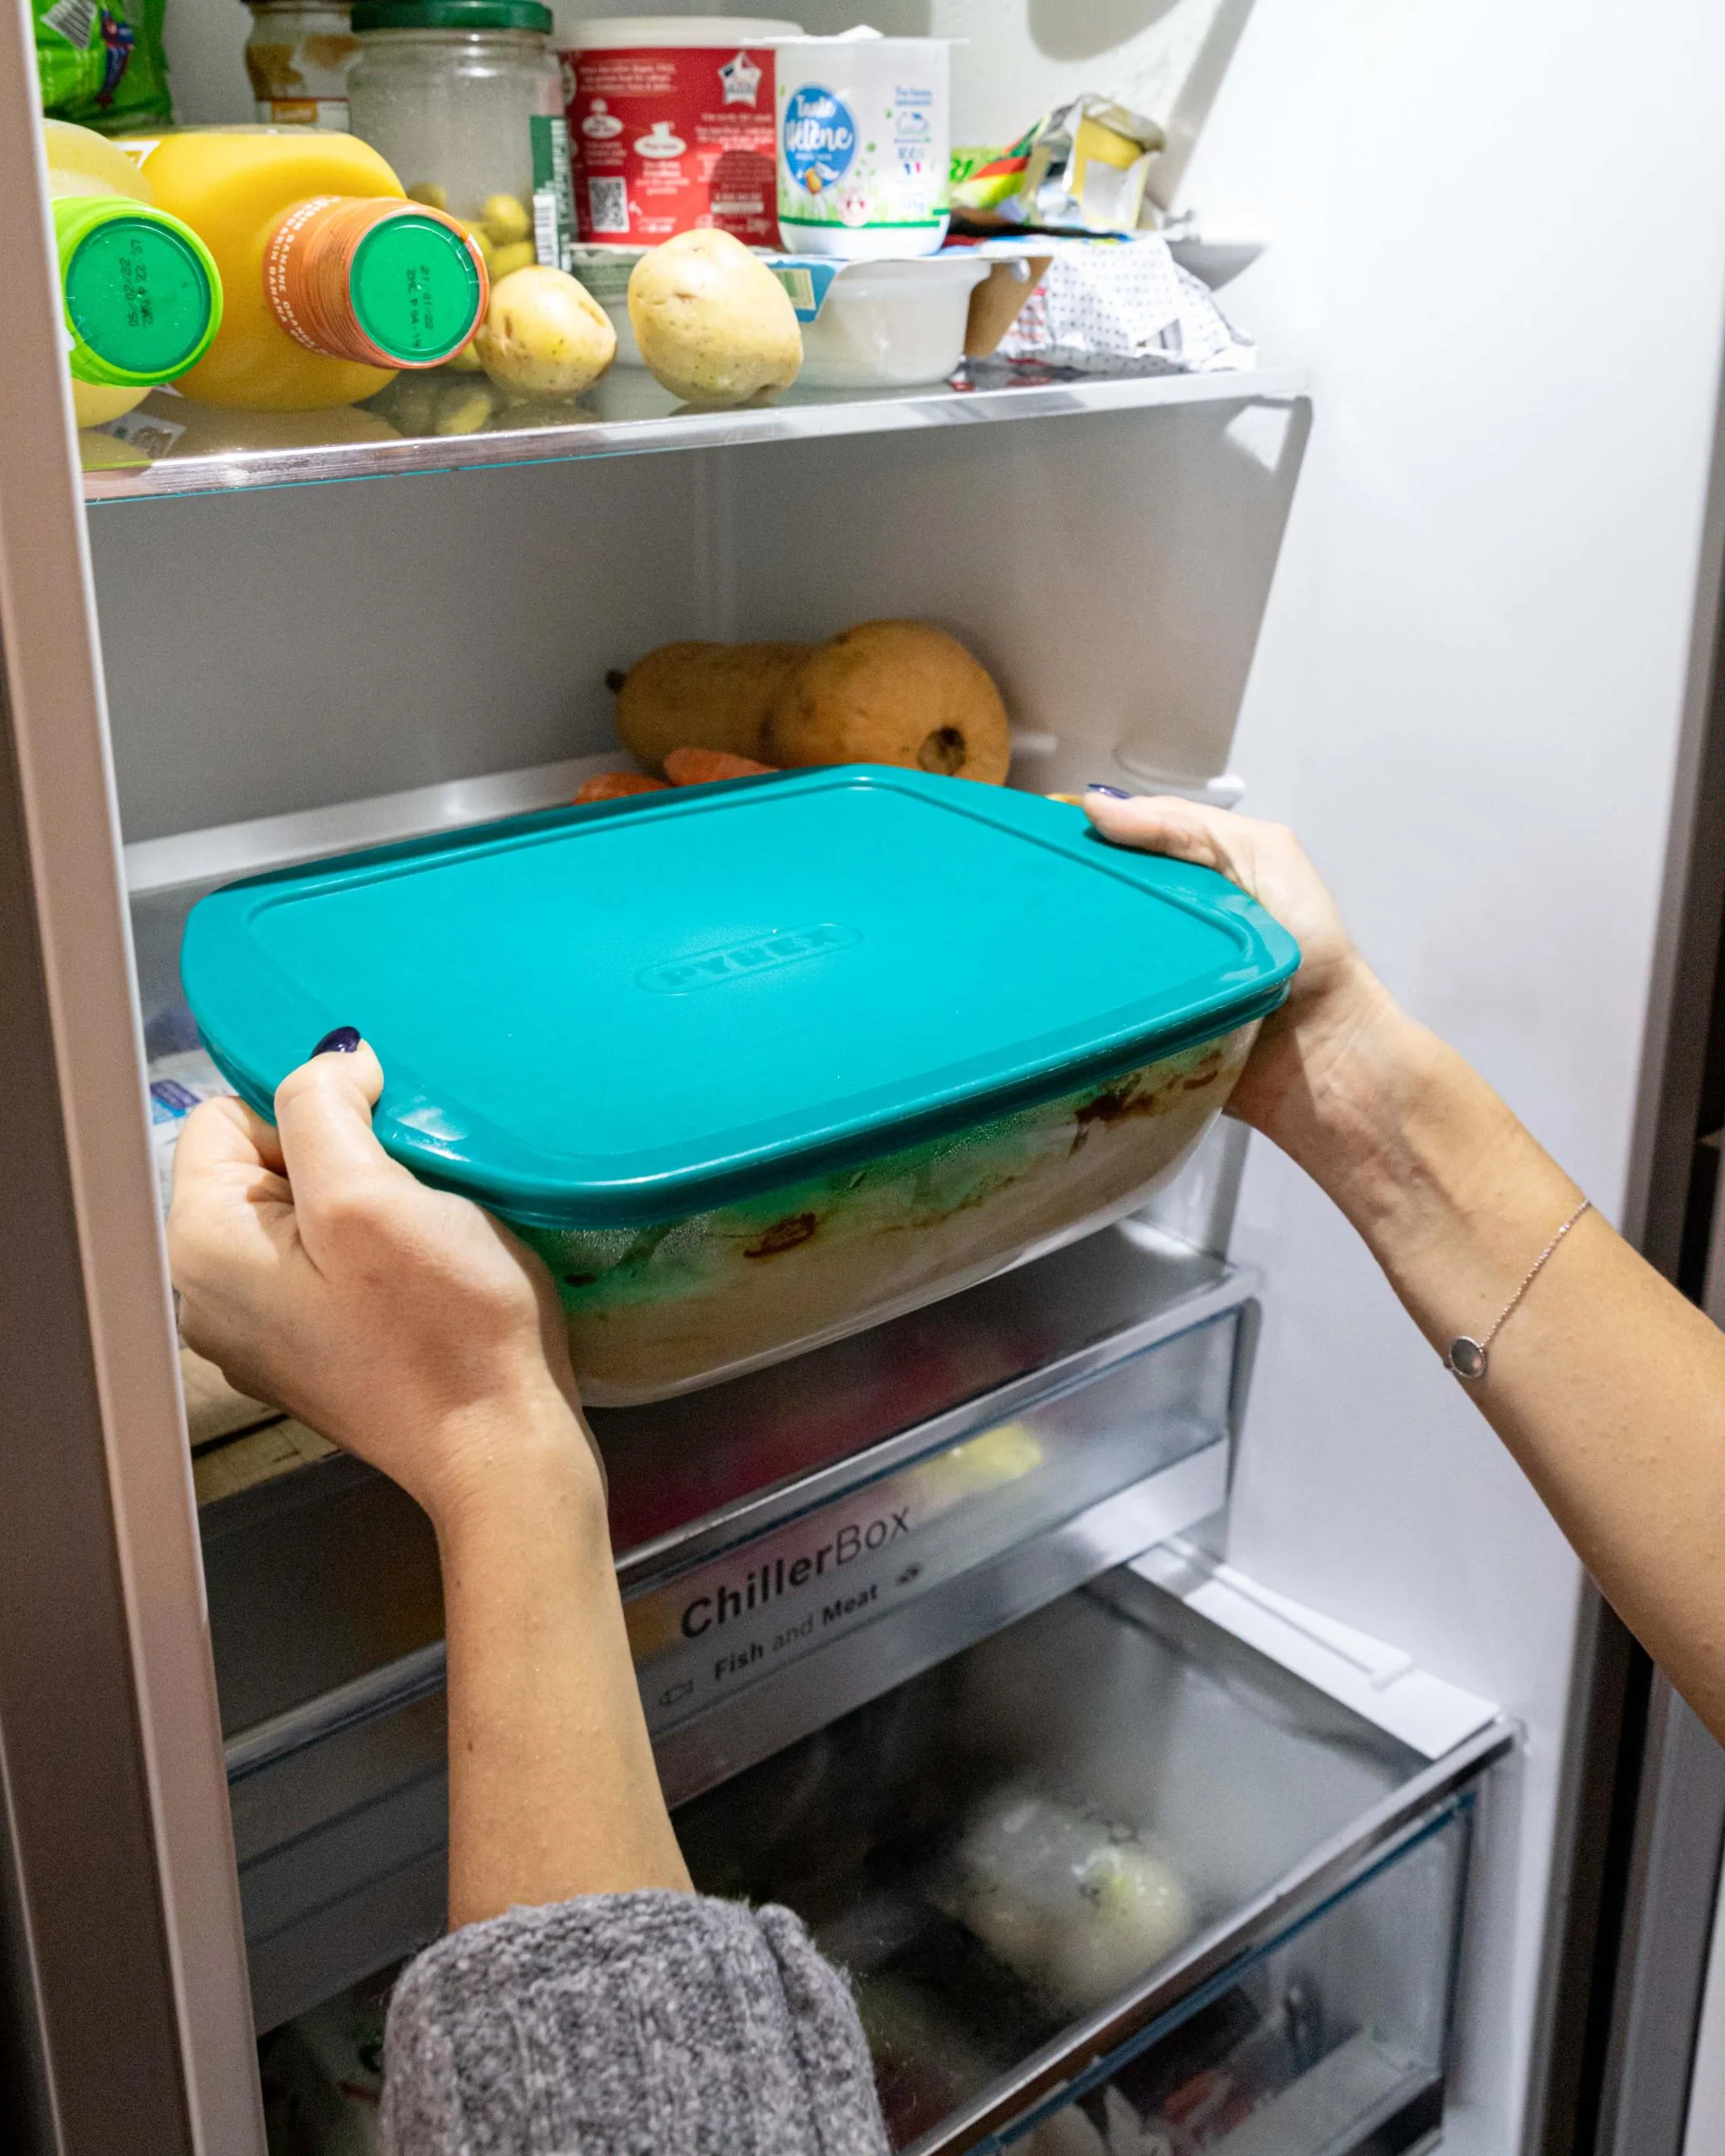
(1468, 1358)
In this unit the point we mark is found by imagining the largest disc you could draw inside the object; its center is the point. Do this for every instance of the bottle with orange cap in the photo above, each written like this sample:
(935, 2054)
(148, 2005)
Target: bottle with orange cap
(333, 280)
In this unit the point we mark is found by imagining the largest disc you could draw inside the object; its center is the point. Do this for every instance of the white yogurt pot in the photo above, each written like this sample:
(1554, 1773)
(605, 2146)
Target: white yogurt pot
(892, 324)
(863, 145)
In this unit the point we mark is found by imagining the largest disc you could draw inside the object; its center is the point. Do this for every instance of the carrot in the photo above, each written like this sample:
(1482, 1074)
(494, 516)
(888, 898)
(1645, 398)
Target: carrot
(617, 786)
(701, 766)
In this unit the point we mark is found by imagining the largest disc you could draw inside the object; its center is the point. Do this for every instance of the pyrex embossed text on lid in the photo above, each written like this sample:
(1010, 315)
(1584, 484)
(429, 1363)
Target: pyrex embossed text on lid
(626, 1013)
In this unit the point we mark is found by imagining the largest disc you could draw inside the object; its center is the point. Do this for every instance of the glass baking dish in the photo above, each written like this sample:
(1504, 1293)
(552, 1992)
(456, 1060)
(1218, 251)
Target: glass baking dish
(758, 1064)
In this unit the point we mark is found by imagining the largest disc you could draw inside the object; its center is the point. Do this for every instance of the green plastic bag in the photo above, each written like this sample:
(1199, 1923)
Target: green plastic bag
(101, 63)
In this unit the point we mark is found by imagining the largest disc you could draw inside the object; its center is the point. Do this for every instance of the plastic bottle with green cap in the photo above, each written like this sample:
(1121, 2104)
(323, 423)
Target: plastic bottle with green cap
(142, 292)
(333, 280)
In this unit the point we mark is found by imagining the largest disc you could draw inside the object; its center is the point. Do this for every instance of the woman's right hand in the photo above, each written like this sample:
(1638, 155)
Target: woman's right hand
(401, 1322)
(1337, 1010)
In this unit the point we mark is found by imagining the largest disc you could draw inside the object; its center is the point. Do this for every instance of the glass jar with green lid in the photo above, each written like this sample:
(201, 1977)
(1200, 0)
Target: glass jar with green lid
(465, 98)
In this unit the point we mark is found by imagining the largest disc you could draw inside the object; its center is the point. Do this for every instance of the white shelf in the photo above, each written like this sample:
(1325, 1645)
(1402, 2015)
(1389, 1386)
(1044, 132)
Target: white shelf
(626, 413)
(226, 850)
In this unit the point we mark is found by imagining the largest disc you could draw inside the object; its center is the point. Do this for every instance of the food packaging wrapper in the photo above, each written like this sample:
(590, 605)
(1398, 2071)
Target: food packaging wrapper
(1083, 166)
(178, 1083)
(1122, 306)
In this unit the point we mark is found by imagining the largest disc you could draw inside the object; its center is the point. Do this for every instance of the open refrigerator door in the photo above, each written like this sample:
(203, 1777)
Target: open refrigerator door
(1168, 1563)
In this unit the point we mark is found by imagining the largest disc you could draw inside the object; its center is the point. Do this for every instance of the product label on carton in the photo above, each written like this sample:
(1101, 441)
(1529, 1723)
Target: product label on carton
(819, 139)
(668, 139)
(553, 195)
(802, 1586)
(330, 112)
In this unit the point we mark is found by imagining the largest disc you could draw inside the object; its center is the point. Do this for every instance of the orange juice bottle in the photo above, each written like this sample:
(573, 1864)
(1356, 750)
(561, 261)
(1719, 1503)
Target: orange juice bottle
(141, 296)
(333, 280)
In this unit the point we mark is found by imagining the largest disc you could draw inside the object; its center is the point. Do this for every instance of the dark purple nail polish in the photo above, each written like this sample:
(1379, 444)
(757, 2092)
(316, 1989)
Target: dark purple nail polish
(341, 1042)
(1113, 793)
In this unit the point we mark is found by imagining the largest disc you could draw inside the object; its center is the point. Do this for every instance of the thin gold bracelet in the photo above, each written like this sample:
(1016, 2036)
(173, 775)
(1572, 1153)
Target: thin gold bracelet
(1470, 1359)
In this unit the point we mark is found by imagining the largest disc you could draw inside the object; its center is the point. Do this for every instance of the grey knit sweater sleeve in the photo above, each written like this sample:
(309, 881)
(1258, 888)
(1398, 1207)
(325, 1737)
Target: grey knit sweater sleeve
(628, 2025)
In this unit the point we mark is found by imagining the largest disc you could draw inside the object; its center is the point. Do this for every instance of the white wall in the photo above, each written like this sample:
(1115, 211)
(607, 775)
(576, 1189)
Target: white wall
(1499, 240)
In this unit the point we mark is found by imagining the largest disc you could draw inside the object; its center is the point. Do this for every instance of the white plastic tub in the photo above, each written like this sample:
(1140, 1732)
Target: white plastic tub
(881, 325)
(892, 324)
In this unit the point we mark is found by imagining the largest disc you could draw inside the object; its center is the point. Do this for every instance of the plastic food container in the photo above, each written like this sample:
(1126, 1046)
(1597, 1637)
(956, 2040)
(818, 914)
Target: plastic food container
(465, 98)
(865, 325)
(884, 325)
(671, 126)
(755, 1065)
(864, 133)
(298, 57)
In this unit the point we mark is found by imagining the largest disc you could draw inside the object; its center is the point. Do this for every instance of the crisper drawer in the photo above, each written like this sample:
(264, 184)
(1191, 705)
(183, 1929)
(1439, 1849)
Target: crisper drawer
(787, 1603)
(1331, 2040)
(1111, 1884)
(740, 1654)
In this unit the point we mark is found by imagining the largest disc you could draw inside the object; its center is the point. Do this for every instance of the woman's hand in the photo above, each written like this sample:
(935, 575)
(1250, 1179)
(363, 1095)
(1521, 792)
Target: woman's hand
(1337, 1013)
(401, 1322)
(408, 1325)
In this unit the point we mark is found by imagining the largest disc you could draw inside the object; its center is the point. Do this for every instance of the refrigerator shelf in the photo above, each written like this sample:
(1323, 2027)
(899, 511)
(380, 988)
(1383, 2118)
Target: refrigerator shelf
(198, 450)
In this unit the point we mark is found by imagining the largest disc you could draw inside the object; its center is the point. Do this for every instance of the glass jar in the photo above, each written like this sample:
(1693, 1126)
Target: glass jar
(298, 56)
(465, 98)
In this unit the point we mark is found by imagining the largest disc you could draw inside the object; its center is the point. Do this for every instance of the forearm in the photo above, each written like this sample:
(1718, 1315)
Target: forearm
(626, 2021)
(583, 1995)
(552, 1788)
(1606, 1385)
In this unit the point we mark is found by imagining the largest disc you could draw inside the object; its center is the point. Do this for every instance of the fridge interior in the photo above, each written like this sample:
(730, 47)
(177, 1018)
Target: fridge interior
(1045, 1442)
(294, 668)
(778, 1566)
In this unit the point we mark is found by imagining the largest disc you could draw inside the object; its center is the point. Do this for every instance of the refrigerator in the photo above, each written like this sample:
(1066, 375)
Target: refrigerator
(1177, 1550)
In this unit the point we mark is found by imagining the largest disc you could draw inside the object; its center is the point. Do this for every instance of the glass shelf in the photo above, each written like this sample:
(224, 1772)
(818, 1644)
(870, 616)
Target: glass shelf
(456, 421)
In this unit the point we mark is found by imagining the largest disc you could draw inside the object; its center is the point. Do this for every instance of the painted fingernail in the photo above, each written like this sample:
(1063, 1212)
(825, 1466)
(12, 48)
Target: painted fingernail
(341, 1042)
(1113, 793)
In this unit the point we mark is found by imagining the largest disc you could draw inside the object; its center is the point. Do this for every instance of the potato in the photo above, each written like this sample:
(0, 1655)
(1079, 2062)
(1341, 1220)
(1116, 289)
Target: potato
(506, 220)
(544, 335)
(505, 260)
(465, 410)
(703, 695)
(714, 324)
(898, 692)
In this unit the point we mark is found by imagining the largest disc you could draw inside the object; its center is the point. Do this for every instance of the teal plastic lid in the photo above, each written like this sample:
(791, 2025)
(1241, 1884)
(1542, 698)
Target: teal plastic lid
(626, 1013)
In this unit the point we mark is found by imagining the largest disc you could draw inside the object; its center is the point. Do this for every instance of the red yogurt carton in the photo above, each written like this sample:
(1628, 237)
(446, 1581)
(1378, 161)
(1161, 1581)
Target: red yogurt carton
(672, 127)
